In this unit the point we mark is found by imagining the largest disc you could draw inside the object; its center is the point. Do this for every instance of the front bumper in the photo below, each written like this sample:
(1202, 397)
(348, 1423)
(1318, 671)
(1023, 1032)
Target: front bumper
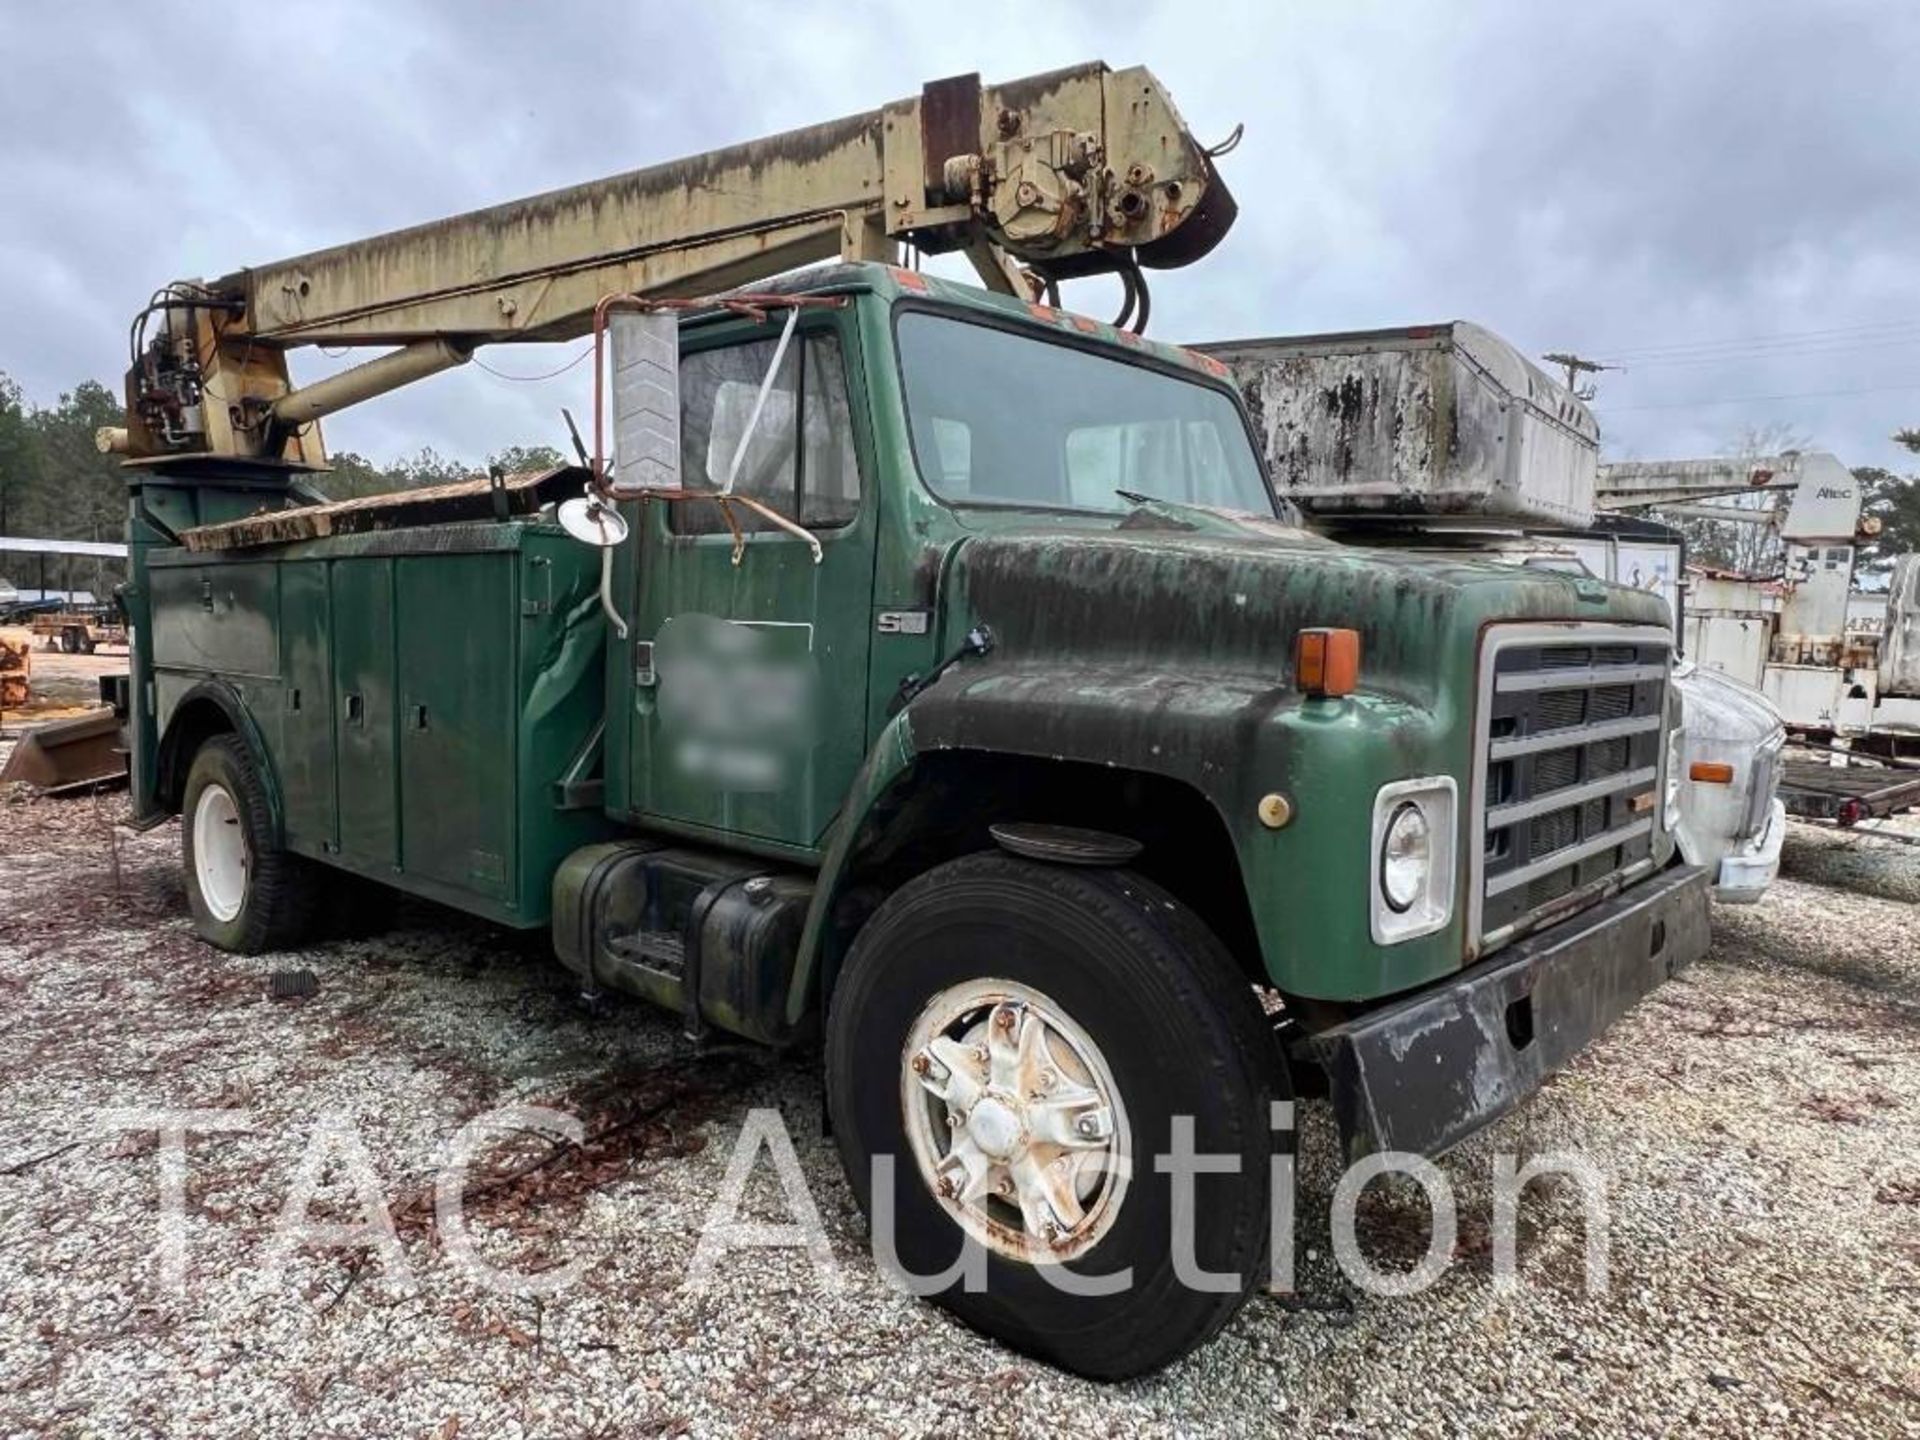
(1746, 873)
(1423, 1073)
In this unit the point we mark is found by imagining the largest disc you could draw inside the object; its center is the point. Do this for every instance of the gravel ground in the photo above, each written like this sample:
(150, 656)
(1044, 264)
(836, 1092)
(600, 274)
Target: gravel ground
(1758, 1122)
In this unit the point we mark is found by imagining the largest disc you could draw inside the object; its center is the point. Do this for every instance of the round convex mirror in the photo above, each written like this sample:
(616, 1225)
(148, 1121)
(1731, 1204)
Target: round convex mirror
(592, 522)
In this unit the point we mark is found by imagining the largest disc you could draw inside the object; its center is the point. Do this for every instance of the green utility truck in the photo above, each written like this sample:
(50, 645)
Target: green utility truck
(941, 684)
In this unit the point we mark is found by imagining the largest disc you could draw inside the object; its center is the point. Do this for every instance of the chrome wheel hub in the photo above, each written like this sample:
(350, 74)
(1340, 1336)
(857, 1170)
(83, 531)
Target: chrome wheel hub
(1015, 1122)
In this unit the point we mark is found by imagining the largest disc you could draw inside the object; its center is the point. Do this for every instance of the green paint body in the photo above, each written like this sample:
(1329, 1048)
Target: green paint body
(488, 696)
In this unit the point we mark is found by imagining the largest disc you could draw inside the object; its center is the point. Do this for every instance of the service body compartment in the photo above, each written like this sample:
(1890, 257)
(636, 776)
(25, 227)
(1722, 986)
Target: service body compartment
(430, 698)
(217, 618)
(458, 712)
(361, 632)
(306, 738)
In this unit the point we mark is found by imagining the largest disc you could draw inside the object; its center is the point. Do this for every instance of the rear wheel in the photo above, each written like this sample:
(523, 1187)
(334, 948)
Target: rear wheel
(246, 893)
(1020, 1038)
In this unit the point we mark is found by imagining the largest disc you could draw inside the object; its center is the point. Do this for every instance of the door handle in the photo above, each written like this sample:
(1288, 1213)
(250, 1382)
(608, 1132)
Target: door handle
(356, 708)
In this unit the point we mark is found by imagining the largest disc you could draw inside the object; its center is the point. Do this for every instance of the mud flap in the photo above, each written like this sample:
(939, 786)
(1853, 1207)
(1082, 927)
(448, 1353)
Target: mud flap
(1423, 1073)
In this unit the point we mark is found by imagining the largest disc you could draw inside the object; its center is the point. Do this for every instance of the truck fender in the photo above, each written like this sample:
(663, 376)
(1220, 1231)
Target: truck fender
(214, 707)
(891, 756)
(888, 780)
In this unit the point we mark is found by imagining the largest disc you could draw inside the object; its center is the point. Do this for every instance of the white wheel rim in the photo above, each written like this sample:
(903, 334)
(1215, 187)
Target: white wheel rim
(1014, 1119)
(220, 860)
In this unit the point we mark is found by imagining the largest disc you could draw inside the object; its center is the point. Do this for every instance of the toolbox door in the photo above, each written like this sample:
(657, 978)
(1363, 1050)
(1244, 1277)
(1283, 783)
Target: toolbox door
(305, 758)
(364, 712)
(457, 621)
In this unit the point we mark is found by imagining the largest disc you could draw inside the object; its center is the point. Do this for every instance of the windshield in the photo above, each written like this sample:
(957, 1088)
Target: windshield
(1001, 418)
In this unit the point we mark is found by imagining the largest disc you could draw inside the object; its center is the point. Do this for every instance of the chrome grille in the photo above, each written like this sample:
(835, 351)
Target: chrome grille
(1572, 735)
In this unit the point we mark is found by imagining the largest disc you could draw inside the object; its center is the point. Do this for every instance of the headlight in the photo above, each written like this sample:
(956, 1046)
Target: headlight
(1412, 859)
(1406, 856)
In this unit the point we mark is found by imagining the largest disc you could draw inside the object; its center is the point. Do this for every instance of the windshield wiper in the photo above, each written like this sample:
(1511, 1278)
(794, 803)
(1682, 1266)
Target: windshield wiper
(1217, 512)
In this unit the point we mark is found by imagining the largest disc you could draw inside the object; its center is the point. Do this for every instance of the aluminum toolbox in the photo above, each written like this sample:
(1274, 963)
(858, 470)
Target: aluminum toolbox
(1429, 420)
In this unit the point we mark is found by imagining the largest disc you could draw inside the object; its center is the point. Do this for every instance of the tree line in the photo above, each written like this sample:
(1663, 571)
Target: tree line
(55, 484)
(1894, 500)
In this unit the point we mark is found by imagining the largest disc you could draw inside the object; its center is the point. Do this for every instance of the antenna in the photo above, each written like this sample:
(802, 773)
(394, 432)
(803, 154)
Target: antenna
(1576, 366)
(579, 445)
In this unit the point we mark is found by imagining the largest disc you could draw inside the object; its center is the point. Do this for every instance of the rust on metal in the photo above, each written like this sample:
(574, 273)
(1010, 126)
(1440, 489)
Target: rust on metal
(949, 126)
(69, 754)
(1071, 173)
(476, 499)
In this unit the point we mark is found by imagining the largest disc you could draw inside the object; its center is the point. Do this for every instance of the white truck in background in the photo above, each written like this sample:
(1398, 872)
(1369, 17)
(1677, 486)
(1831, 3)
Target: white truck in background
(1447, 439)
(1788, 628)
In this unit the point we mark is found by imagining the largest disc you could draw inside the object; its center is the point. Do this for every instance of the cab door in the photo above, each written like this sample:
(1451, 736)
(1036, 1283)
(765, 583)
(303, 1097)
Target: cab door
(750, 665)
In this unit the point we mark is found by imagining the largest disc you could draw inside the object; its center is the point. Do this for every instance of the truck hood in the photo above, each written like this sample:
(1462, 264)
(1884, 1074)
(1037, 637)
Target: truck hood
(1226, 597)
(1720, 708)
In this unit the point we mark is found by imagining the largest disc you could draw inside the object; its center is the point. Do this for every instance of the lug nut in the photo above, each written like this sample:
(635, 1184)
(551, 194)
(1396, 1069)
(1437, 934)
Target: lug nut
(919, 1064)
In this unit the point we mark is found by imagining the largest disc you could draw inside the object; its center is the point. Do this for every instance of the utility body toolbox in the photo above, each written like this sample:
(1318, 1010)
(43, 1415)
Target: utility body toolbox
(391, 674)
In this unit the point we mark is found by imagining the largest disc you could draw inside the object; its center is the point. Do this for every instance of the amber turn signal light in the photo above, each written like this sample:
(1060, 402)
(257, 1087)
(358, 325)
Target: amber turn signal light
(1326, 662)
(1711, 772)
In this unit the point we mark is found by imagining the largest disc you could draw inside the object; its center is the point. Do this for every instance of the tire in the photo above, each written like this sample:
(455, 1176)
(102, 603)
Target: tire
(251, 896)
(1172, 1025)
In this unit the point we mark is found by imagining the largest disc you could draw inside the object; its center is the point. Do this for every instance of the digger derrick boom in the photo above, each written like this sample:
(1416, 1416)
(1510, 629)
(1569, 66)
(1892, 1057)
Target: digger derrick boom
(1075, 172)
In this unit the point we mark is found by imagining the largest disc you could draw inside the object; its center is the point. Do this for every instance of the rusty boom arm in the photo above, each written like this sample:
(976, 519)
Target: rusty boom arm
(1075, 172)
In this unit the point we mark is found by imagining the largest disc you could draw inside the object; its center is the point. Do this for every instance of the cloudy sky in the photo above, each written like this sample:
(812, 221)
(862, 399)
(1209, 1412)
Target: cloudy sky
(1720, 196)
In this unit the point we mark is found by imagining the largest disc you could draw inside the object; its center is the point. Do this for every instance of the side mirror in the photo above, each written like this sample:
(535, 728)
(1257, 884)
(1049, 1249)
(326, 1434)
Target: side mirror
(646, 401)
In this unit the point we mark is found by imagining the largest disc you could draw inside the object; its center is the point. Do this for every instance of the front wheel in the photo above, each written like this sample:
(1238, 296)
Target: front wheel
(246, 893)
(1024, 1040)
